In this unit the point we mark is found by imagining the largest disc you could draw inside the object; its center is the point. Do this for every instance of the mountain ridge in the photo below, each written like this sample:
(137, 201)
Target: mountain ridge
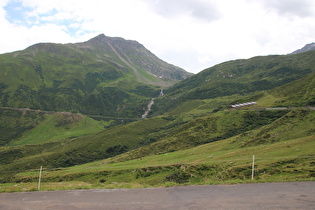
(306, 48)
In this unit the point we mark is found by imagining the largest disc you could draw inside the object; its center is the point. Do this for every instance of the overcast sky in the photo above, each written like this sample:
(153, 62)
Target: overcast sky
(192, 34)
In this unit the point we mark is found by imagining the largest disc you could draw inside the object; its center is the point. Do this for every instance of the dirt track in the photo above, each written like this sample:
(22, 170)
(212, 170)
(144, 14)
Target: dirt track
(294, 195)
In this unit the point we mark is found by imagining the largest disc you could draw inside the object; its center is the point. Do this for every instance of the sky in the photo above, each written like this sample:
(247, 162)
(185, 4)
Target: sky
(192, 34)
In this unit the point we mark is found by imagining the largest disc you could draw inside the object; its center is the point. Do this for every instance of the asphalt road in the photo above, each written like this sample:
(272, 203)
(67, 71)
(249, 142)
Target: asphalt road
(290, 195)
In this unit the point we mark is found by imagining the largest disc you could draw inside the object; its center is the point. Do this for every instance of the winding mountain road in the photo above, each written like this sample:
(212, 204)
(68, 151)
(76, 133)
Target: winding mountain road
(289, 195)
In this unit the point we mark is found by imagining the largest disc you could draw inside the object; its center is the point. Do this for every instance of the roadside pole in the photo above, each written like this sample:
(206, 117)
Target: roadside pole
(253, 167)
(40, 176)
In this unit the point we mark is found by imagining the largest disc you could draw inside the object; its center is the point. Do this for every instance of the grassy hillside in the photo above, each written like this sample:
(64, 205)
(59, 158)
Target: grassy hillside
(288, 157)
(298, 93)
(72, 151)
(103, 76)
(218, 126)
(189, 125)
(294, 94)
(163, 135)
(239, 77)
(32, 127)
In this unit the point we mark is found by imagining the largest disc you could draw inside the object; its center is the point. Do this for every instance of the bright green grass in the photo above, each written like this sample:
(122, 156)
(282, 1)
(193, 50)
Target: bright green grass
(283, 152)
(216, 152)
(267, 100)
(49, 130)
(282, 161)
(286, 155)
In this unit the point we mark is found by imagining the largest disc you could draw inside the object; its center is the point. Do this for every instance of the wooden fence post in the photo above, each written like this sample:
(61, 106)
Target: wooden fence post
(253, 167)
(40, 176)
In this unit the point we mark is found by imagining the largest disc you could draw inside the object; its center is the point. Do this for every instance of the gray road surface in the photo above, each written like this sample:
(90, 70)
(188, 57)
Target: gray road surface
(294, 195)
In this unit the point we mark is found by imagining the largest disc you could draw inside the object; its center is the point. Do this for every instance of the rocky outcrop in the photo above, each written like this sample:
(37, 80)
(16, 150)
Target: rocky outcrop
(306, 48)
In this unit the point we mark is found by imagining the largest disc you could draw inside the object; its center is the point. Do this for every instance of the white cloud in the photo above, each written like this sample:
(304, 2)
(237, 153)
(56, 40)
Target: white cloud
(193, 34)
(298, 8)
(204, 10)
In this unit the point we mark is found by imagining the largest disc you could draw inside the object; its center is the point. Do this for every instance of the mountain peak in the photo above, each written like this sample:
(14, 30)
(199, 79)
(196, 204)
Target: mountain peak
(97, 39)
(132, 53)
(308, 47)
(103, 37)
(101, 40)
(100, 36)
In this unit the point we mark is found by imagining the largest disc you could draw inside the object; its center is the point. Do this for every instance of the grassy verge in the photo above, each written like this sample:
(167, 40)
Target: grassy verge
(222, 162)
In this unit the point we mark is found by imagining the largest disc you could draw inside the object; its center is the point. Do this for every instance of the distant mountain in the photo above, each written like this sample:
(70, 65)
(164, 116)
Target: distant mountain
(246, 76)
(134, 53)
(238, 77)
(102, 76)
(306, 48)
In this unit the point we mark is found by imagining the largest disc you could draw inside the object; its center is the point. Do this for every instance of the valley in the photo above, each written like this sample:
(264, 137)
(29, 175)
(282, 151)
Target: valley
(93, 116)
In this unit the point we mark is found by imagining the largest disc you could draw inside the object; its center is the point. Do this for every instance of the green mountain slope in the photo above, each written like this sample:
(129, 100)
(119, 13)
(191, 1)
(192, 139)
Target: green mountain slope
(24, 126)
(245, 76)
(164, 134)
(215, 127)
(239, 77)
(103, 76)
(298, 93)
(230, 122)
(73, 151)
(283, 150)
